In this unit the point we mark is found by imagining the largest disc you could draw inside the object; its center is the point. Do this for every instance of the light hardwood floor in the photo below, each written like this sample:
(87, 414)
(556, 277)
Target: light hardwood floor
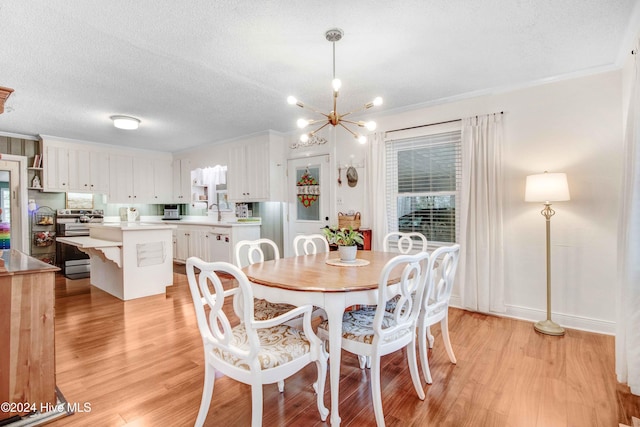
(140, 363)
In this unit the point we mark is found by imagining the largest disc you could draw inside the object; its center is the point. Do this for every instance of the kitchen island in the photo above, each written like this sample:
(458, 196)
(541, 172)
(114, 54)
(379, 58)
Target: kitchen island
(129, 259)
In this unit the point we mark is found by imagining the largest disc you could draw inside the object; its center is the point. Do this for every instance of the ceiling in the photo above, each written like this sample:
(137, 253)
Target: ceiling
(205, 71)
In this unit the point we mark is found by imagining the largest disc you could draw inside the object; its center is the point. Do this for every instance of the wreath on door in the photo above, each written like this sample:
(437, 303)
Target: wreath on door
(308, 189)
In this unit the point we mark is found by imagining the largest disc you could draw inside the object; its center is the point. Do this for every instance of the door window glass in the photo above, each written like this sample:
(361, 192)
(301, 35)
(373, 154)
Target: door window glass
(308, 191)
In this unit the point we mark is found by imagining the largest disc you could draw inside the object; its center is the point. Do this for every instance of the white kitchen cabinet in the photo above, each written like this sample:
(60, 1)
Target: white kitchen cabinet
(181, 252)
(191, 241)
(56, 168)
(88, 171)
(120, 179)
(211, 243)
(99, 173)
(162, 181)
(182, 181)
(143, 187)
(126, 176)
(255, 170)
(139, 179)
(199, 243)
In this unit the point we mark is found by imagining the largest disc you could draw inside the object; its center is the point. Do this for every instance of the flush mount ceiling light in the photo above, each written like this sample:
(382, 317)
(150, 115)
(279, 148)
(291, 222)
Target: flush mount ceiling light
(334, 118)
(125, 122)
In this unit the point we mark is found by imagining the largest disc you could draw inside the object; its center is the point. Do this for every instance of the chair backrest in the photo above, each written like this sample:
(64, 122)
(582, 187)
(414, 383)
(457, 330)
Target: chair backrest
(307, 244)
(441, 275)
(249, 252)
(405, 243)
(209, 297)
(408, 291)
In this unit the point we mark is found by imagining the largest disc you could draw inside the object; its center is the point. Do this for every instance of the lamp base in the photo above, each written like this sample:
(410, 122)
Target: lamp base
(548, 327)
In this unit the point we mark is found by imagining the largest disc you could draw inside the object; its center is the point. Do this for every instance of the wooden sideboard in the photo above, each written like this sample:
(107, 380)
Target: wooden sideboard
(27, 339)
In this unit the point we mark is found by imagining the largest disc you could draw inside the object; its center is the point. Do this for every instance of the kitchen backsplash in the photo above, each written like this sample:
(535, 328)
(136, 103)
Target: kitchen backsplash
(58, 201)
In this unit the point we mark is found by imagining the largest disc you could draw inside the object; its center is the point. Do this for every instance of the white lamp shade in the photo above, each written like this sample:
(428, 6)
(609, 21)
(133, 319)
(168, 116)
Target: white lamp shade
(547, 187)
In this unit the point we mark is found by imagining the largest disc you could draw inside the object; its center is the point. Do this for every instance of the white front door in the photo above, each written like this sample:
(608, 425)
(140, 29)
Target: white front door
(308, 195)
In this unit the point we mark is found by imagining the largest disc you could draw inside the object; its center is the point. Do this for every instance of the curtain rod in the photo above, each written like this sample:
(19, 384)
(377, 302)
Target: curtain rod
(431, 124)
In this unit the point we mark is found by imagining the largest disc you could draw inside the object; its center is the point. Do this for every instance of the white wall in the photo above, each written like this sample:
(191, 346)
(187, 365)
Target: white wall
(572, 126)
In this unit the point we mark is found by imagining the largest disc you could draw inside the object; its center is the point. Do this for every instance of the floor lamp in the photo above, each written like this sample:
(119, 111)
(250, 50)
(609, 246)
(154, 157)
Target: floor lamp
(546, 188)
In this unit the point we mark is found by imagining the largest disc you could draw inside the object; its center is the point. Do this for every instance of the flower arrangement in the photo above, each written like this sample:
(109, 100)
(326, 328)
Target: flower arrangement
(343, 236)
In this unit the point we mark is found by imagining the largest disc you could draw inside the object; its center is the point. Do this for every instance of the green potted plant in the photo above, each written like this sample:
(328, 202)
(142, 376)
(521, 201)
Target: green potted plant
(346, 239)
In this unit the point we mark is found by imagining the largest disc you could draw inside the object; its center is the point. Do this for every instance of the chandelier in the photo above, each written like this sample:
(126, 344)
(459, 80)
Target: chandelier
(333, 117)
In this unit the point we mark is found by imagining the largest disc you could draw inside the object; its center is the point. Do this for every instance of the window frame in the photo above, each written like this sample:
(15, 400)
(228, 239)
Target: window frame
(426, 136)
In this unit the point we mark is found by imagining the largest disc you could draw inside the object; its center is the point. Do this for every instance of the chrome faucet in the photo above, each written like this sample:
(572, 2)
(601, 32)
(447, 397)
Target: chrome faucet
(219, 213)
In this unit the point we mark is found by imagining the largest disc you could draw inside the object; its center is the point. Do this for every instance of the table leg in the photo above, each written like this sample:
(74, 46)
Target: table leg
(334, 307)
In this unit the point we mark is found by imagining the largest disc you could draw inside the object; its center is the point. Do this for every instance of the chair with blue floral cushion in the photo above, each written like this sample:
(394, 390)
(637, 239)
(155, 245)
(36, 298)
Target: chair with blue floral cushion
(373, 333)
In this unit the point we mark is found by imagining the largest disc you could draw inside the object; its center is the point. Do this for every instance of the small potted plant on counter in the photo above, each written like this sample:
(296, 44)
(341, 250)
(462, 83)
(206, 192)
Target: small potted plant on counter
(346, 239)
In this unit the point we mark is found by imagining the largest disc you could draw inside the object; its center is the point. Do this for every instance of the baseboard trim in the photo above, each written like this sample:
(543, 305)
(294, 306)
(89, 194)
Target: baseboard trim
(567, 321)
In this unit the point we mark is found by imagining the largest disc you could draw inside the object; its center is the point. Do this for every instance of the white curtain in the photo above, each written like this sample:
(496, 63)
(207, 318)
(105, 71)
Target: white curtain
(481, 260)
(628, 322)
(376, 199)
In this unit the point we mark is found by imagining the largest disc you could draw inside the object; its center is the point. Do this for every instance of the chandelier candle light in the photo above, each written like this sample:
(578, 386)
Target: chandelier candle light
(334, 118)
(547, 187)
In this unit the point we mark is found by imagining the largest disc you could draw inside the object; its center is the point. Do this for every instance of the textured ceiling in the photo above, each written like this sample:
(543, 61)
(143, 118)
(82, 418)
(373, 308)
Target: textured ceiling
(202, 71)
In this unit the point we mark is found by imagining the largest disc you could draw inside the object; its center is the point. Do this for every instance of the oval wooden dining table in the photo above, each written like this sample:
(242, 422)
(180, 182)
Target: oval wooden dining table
(309, 279)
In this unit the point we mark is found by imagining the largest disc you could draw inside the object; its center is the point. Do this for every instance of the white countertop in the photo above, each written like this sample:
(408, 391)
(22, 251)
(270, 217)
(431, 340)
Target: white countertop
(88, 242)
(132, 226)
(186, 220)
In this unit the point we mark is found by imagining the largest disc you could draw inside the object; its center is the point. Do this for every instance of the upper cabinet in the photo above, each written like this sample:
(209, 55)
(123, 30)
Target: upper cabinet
(182, 181)
(139, 179)
(88, 171)
(255, 171)
(56, 168)
(126, 176)
(121, 179)
(162, 181)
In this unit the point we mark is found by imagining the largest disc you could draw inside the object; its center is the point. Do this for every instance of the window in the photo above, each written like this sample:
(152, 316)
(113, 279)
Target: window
(423, 185)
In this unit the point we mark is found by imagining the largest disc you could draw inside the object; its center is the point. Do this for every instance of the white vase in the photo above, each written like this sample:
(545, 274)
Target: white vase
(347, 253)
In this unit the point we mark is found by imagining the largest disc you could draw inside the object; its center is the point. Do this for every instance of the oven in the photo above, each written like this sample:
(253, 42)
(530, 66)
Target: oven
(72, 261)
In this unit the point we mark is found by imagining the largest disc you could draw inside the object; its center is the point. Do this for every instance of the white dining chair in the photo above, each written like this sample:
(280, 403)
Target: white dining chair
(255, 352)
(307, 244)
(248, 252)
(376, 332)
(443, 264)
(404, 243)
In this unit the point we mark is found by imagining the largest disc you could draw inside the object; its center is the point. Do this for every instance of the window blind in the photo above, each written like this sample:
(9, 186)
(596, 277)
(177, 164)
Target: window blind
(423, 186)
